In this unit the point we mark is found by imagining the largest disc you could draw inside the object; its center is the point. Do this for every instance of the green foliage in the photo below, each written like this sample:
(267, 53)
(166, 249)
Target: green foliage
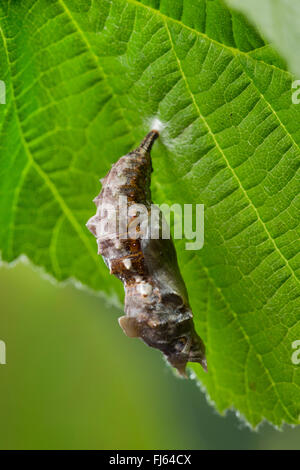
(279, 22)
(84, 79)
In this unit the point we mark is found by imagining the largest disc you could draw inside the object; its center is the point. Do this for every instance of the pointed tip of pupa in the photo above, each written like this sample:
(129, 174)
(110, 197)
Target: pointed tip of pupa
(181, 370)
(203, 363)
(91, 225)
(96, 200)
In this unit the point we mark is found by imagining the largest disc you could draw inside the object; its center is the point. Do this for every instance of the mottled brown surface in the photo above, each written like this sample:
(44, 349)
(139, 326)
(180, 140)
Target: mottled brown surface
(156, 301)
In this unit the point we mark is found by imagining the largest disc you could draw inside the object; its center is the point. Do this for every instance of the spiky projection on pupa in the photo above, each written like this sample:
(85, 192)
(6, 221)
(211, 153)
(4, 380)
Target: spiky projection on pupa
(156, 302)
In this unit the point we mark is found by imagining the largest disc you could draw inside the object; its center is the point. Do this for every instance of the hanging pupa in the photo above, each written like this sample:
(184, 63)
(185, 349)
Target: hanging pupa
(156, 302)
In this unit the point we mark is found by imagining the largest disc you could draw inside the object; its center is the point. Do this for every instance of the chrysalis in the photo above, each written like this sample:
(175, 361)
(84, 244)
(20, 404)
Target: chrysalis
(156, 303)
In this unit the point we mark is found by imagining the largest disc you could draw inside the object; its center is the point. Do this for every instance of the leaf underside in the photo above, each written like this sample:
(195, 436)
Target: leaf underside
(83, 80)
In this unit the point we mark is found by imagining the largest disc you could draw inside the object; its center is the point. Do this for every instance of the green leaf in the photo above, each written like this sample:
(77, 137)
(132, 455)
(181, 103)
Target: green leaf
(84, 79)
(279, 22)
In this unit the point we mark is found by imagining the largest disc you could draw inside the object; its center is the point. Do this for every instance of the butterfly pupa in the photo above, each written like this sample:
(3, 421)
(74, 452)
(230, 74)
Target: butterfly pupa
(157, 309)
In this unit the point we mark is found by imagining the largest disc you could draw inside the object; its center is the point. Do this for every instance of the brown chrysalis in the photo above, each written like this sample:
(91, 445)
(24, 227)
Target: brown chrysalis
(156, 302)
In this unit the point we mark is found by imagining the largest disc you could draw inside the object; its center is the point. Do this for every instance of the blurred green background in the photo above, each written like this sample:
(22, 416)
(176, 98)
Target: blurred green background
(73, 380)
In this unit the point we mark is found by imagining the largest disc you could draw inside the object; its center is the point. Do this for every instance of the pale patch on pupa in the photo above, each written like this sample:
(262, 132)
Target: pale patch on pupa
(144, 289)
(127, 263)
(118, 245)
